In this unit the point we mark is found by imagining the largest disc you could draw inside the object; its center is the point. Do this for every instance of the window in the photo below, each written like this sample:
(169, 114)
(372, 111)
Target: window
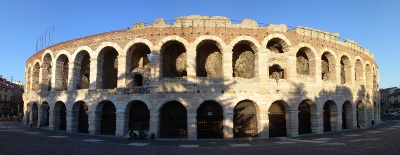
(5, 97)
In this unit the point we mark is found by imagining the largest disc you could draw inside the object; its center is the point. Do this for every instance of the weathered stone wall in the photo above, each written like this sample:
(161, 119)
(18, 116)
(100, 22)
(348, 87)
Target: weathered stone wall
(209, 58)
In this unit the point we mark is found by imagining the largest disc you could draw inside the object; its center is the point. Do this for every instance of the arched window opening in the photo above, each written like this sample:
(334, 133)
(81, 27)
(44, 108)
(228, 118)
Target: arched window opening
(60, 116)
(276, 45)
(46, 73)
(138, 55)
(368, 75)
(35, 77)
(62, 67)
(245, 120)
(305, 63)
(328, 71)
(138, 80)
(82, 65)
(173, 59)
(210, 121)
(28, 80)
(208, 60)
(358, 76)
(81, 117)
(345, 70)
(276, 72)
(244, 58)
(108, 65)
(173, 120)
(277, 120)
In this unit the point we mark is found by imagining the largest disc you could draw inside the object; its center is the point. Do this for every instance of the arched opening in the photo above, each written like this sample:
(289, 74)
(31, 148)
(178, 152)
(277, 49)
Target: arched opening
(359, 73)
(108, 68)
(345, 70)
(276, 45)
(210, 120)
(28, 81)
(368, 75)
(173, 120)
(47, 72)
(35, 77)
(305, 63)
(138, 80)
(45, 113)
(173, 54)
(245, 120)
(277, 120)
(80, 117)
(361, 115)
(82, 69)
(139, 116)
(244, 60)
(330, 116)
(60, 113)
(304, 117)
(208, 60)
(347, 115)
(34, 115)
(137, 62)
(276, 72)
(328, 67)
(62, 66)
(108, 118)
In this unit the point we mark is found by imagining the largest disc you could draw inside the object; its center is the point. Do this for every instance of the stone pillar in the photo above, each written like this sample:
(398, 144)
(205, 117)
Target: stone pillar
(121, 77)
(292, 123)
(154, 128)
(263, 68)
(93, 74)
(263, 129)
(337, 126)
(191, 63)
(40, 116)
(191, 126)
(69, 121)
(292, 72)
(120, 122)
(228, 125)
(318, 122)
(52, 120)
(227, 63)
(94, 122)
(71, 83)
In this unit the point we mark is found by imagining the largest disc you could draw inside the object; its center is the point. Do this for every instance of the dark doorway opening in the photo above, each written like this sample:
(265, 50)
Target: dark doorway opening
(108, 118)
(139, 116)
(209, 121)
(277, 120)
(304, 118)
(83, 125)
(173, 120)
(245, 120)
(327, 117)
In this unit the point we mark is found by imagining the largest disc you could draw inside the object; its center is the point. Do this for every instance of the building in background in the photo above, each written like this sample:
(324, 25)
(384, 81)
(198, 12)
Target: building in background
(10, 98)
(390, 98)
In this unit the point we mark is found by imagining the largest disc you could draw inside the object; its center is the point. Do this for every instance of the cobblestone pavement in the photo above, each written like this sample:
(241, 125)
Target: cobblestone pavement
(18, 139)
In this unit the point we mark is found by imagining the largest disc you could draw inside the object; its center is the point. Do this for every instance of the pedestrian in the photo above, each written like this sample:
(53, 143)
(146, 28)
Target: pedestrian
(372, 123)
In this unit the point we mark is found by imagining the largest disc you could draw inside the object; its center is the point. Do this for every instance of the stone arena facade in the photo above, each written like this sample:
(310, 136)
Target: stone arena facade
(203, 78)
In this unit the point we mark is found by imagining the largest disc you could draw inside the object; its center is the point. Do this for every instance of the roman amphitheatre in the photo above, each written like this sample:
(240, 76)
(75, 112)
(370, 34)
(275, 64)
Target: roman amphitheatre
(203, 77)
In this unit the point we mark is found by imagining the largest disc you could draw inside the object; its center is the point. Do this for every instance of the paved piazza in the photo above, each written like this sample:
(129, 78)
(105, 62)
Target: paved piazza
(18, 139)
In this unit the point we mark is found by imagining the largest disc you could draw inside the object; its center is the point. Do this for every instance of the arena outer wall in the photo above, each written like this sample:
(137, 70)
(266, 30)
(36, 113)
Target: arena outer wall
(241, 79)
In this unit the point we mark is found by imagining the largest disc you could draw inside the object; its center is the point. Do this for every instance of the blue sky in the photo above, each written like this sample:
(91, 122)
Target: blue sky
(373, 24)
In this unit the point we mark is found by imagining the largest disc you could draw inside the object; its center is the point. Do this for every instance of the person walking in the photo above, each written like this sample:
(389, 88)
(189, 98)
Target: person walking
(372, 123)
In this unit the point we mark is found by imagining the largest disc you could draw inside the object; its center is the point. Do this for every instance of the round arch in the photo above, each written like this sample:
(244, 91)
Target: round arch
(173, 120)
(210, 120)
(245, 119)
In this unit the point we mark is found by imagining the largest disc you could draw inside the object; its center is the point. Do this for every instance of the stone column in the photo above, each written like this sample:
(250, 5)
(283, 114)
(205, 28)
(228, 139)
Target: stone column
(69, 121)
(94, 122)
(191, 63)
(191, 126)
(292, 123)
(120, 122)
(337, 126)
(263, 129)
(227, 63)
(93, 74)
(317, 122)
(71, 83)
(154, 128)
(228, 125)
(263, 68)
(121, 77)
(52, 120)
